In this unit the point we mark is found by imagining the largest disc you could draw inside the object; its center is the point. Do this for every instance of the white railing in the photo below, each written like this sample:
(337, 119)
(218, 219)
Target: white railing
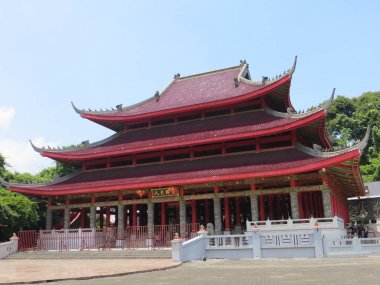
(227, 241)
(281, 240)
(289, 224)
(7, 248)
(354, 246)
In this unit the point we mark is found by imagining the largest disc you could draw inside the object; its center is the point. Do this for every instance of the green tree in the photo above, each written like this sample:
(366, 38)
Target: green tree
(16, 212)
(347, 121)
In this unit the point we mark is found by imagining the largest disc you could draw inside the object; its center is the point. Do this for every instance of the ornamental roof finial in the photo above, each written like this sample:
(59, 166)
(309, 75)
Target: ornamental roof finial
(291, 71)
(76, 109)
(157, 95)
(176, 76)
(37, 149)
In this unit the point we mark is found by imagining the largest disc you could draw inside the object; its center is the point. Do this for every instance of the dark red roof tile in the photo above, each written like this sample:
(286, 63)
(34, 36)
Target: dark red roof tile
(189, 131)
(197, 168)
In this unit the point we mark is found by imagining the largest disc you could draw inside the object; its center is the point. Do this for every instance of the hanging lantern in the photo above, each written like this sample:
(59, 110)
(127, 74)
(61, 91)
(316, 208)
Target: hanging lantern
(140, 193)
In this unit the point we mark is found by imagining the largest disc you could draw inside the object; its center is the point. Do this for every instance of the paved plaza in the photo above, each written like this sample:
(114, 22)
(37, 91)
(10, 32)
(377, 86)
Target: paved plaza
(274, 271)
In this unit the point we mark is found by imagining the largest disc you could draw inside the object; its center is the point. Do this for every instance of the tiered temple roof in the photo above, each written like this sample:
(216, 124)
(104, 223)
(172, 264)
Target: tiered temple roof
(307, 150)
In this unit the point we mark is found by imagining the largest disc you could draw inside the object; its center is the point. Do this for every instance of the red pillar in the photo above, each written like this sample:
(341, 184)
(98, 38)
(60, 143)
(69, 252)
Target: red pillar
(163, 213)
(108, 216)
(300, 205)
(311, 205)
(315, 204)
(82, 218)
(262, 209)
(207, 212)
(194, 215)
(237, 211)
(227, 222)
(305, 205)
(332, 198)
(101, 217)
(270, 206)
(134, 215)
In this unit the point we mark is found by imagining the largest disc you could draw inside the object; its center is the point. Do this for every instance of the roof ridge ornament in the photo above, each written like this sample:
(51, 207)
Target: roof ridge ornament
(157, 96)
(119, 107)
(236, 81)
(293, 68)
(176, 76)
(77, 110)
(37, 149)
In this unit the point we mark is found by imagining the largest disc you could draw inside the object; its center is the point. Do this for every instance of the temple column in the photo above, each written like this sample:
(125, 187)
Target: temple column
(207, 212)
(237, 215)
(326, 199)
(120, 221)
(82, 217)
(92, 216)
(182, 217)
(270, 206)
(66, 218)
(163, 213)
(101, 217)
(300, 206)
(262, 208)
(134, 215)
(294, 205)
(108, 216)
(254, 208)
(150, 219)
(217, 216)
(227, 221)
(49, 218)
(193, 215)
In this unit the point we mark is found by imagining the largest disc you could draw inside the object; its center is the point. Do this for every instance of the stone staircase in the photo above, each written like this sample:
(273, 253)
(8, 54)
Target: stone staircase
(95, 254)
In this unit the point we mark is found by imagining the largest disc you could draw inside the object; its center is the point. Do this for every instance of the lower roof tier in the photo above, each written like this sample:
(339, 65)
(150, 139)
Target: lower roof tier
(203, 170)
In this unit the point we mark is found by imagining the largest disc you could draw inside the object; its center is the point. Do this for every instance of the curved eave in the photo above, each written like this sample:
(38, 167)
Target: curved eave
(260, 92)
(231, 177)
(287, 127)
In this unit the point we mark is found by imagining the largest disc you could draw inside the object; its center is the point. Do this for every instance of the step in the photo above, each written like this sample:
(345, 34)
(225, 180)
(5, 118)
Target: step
(85, 254)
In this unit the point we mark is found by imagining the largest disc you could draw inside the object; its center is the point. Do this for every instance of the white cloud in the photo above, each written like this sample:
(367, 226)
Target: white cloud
(6, 116)
(22, 157)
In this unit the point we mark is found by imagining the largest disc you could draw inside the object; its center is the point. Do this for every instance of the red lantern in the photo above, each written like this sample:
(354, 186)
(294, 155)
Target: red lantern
(140, 193)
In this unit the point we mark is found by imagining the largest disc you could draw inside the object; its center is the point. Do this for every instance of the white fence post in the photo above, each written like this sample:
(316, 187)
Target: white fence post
(318, 244)
(177, 245)
(256, 247)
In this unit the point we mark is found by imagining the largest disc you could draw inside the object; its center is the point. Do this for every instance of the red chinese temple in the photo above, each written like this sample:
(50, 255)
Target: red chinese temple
(214, 147)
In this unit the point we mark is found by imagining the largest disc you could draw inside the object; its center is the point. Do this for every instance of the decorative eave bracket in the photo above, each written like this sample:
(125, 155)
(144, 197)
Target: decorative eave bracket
(319, 152)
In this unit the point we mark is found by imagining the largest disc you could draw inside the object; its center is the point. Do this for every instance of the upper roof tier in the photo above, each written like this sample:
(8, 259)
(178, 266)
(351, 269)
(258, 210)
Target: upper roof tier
(241, 125)
(211, 89)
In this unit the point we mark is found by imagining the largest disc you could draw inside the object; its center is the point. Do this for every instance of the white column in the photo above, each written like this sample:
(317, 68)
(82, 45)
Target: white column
(66, 218)
(92, 216)
(254, 208)
(182, 217)
(294, 205)
(120, 221)
(150, 219)
(49, 218)
(217, 216)
(326, 203)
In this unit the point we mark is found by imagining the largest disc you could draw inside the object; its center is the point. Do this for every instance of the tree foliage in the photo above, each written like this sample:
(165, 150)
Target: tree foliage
(16, 212)
(347, 121)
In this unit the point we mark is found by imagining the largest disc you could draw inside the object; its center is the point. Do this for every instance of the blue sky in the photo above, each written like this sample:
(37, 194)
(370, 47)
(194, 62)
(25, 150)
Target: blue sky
(103, 53)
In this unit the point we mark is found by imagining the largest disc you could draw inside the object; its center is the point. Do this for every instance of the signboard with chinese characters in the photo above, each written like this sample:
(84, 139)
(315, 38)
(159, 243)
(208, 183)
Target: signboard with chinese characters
(164, 192)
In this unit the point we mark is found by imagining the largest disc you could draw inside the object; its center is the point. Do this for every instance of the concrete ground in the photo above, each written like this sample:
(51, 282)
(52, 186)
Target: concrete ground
(274, 271)
(16, 271)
